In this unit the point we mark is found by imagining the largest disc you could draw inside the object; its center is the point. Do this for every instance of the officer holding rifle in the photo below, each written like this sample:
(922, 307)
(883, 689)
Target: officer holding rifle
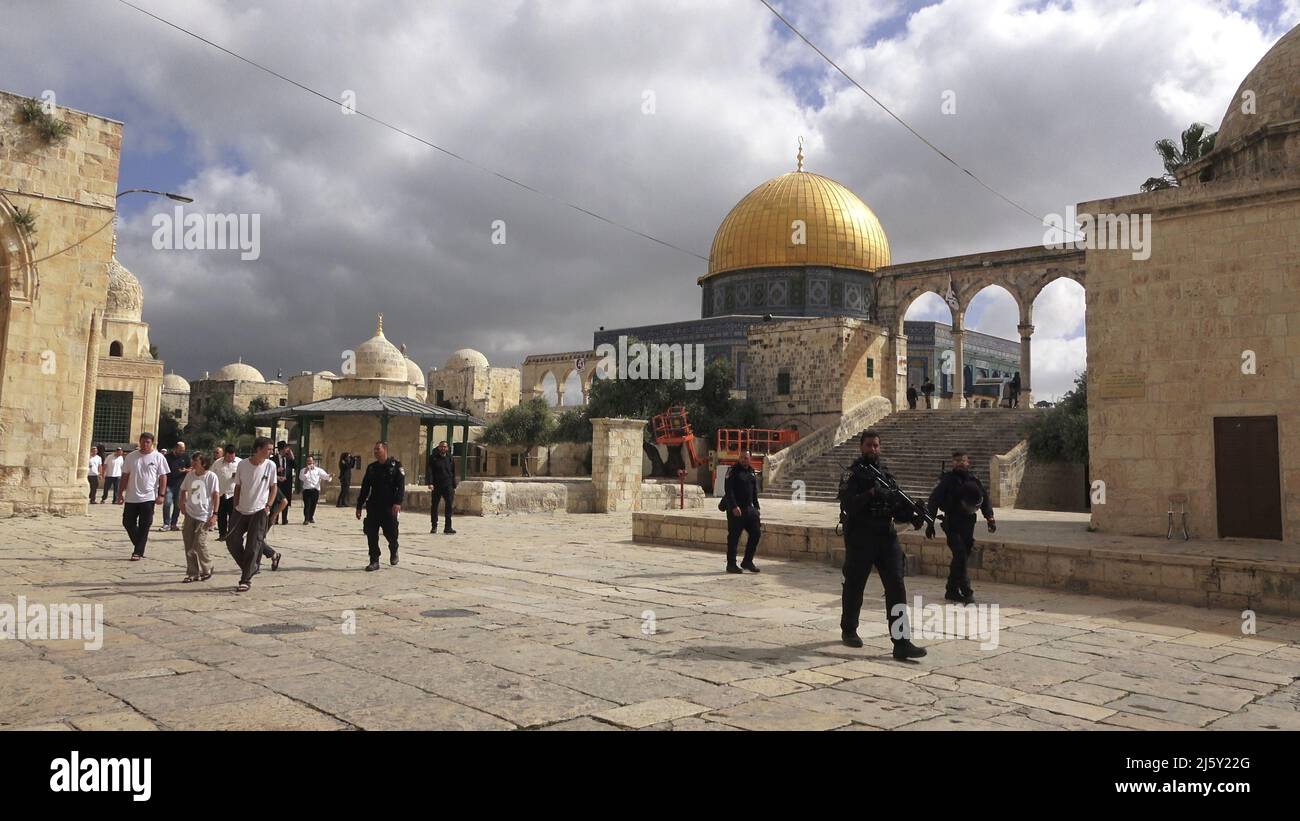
(870, 503)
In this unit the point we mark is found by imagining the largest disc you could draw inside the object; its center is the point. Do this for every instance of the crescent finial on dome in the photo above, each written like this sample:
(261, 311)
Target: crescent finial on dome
(379, 326)
(799, 157)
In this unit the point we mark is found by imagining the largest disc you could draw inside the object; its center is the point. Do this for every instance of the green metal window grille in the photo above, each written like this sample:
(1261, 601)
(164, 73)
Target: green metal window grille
(112, 416)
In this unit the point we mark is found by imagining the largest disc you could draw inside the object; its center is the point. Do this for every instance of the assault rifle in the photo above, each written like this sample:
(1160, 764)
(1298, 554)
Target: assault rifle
(879, 477)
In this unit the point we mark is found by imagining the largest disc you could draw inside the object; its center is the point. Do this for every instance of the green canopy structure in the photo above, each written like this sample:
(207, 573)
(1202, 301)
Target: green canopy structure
(383, 408)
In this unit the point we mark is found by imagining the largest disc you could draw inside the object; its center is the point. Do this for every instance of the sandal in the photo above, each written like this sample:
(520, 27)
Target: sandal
(136, 557)
(205, 577)
(275, 562)
(189, 579)
(244, 587)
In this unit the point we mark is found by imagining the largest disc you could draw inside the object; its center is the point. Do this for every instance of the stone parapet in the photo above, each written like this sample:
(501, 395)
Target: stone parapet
(1165, 576)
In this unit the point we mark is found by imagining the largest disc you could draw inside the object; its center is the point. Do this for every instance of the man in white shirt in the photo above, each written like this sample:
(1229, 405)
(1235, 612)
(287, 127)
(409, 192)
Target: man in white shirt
(254, 479)
(225, 467)
(112, 470)
(144, 483)
(95, 468)
(310, 477)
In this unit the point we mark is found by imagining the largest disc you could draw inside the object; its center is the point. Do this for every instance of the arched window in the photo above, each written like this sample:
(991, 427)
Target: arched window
(115, 349)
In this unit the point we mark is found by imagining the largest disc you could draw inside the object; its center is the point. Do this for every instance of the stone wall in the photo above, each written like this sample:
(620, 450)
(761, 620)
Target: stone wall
(1206, 581)
(176, 404)
(143, 378)
(616, 457)
(241, 394)
(358, 434)
(482, 392)
(1221, 280)
(827, 363)
(1053, 486)
(306, 388)
(49, 312)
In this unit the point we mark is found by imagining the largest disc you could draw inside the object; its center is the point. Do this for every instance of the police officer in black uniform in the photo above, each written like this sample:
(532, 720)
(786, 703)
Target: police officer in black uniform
(869, 512)
(441, 479)
(960, 494)
(741, 503)
(381, 494)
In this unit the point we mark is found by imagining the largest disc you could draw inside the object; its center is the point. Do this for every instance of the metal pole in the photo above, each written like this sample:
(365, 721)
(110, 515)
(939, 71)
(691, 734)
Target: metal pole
(464, 453)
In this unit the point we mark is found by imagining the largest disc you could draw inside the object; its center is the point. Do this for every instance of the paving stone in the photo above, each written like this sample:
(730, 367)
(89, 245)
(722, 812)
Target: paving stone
(430, 712)
(770, 685)
(768, 714)
(650, 712)
(271, 712)
(814, 679)
(1177, 712)
(1259, 717)
(862, 709)
(1065, 706)
(1207, 695)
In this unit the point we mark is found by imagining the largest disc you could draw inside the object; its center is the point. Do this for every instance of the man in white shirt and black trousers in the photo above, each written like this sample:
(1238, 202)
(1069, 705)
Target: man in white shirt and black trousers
(144, 484)
(254, 483)
(311, 477)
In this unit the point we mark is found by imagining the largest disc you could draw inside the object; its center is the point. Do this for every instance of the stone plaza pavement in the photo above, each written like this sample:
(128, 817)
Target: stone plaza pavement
(541, 622)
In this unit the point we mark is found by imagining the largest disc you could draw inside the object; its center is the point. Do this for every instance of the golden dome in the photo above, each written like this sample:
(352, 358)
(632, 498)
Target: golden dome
(1275, 84)
(839, 229)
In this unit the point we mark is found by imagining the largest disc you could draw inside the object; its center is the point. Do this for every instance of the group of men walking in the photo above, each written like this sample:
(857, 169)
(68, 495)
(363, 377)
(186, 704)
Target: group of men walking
(871, 504)
(243, 497)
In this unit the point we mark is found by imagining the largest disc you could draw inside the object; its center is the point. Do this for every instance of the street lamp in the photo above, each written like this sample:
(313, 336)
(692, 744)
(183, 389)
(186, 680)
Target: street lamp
(167, 194)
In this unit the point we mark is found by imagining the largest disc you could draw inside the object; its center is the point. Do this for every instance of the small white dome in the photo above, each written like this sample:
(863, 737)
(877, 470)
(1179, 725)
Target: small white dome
(125, 296)
(377, 358)
(238, 372)
(175, 383)
(465, 358)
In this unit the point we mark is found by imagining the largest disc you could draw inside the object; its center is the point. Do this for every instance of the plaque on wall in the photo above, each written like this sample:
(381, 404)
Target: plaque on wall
(1124, 385)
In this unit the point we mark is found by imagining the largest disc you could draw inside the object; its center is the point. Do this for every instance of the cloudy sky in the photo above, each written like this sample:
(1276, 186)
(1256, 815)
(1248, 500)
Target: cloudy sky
(1056, 103)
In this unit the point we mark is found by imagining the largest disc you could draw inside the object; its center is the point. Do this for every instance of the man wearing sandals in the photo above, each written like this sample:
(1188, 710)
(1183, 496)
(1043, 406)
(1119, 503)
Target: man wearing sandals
(254, 480)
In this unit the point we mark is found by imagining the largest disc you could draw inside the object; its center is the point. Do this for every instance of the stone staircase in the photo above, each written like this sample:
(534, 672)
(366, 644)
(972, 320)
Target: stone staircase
(915, 445)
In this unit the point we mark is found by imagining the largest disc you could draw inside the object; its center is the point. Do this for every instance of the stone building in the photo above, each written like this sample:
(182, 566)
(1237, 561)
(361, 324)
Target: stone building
(807, 373)
(1194, 353)
(176, 398)
(310, 387)
(985, 356)
(237, 382)
(57, 203)
(468, 382)
(129, 382)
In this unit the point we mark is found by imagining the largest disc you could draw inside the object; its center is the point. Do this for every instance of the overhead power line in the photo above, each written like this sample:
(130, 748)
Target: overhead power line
(900, 120)
(412, 136)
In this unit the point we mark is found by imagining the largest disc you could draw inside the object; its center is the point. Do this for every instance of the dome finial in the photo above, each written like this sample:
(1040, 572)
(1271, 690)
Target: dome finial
(379, 327)
(799, 156)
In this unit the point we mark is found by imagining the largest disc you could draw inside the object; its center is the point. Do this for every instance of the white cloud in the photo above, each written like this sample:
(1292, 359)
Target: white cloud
(1057, 104)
